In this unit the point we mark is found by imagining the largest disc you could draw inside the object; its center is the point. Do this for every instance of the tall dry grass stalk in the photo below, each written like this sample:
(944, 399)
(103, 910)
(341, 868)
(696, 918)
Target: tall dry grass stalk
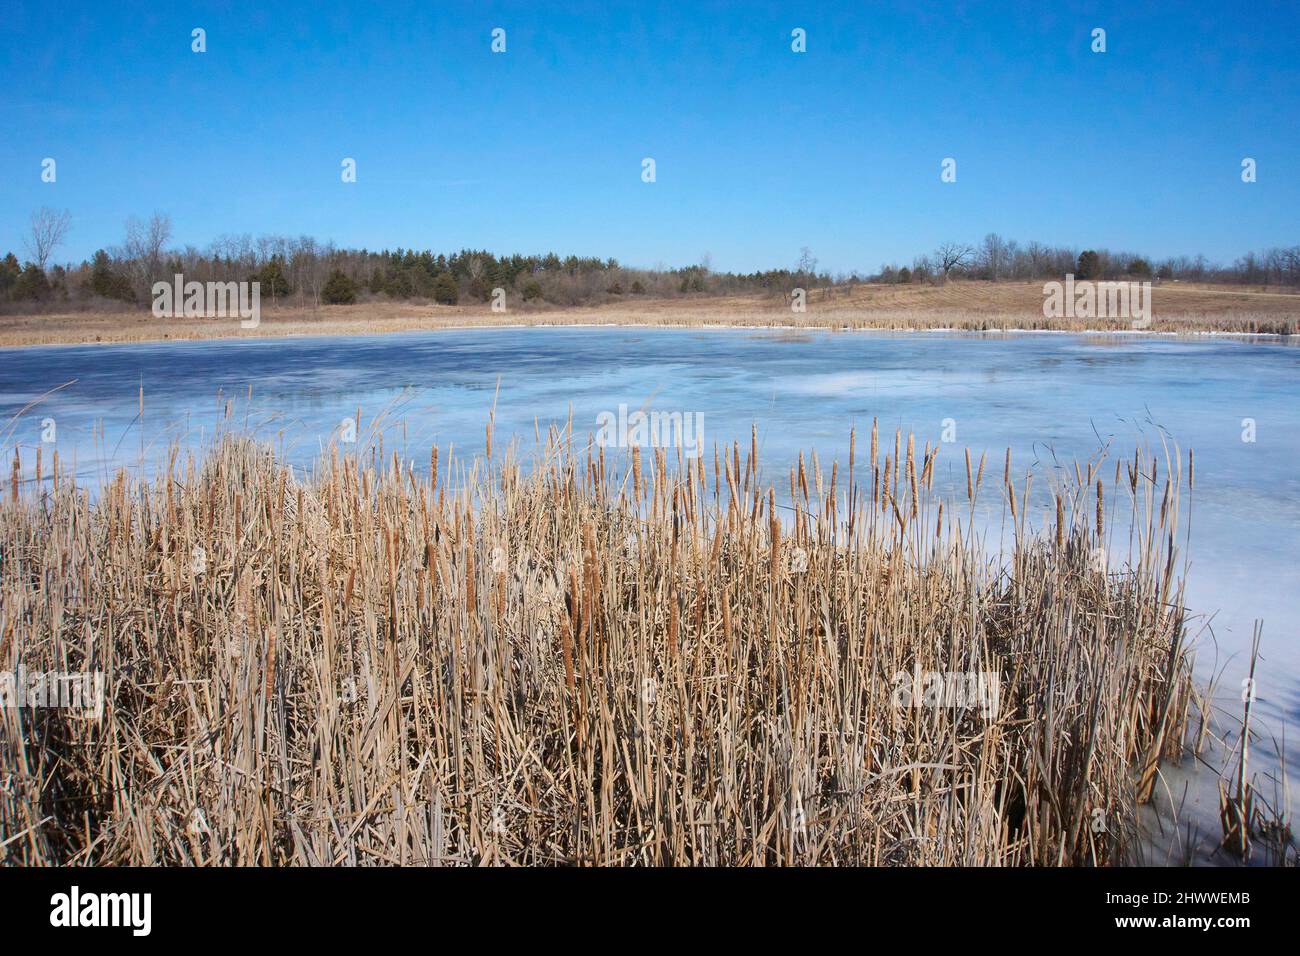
(575, 664)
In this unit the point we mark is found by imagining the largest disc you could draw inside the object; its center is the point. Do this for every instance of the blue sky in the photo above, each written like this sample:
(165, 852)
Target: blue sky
(759, 151)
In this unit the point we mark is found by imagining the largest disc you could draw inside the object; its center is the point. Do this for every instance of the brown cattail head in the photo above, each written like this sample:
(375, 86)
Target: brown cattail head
(911, 469)
(1101, 511)
(776, 533)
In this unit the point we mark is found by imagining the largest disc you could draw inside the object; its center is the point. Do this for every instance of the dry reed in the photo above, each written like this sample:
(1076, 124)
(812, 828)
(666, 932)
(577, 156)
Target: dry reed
(567, 664)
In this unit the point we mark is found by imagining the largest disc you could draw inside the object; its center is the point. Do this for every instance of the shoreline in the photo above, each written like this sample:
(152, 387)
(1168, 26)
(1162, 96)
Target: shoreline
(836, 328)
(957, 307)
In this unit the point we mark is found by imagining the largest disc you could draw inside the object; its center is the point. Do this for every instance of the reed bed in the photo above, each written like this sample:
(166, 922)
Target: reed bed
(657, 661)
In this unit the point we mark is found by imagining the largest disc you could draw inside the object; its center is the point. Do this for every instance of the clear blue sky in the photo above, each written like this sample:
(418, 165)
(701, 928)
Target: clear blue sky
(759, 150)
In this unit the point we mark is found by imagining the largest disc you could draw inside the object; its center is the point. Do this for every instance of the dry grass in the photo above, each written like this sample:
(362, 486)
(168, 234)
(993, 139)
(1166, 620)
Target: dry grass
(970, 306)
(578, 662)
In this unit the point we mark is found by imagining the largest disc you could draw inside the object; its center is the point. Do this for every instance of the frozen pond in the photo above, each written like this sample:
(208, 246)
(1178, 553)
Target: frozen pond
(1046, 396)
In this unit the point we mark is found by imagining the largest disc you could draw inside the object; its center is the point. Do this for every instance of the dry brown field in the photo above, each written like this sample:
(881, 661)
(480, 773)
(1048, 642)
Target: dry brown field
(969, 306)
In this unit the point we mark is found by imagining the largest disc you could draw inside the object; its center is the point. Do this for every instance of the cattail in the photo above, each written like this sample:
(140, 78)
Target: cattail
(567, 628)
(898, 456)
(347, 590)
(529, 699)
(1191, 469)
(471, 594)
(270, 663)
(1060, 526)
(1101, 511)
(775, 534)
(911, 469)
(673, 623)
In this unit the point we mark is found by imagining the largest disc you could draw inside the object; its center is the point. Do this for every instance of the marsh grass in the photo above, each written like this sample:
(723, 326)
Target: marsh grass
(582, 661)
(959, 306)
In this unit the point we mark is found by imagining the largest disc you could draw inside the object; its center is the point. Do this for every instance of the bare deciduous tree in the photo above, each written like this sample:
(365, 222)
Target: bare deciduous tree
(807, 263)
(994, 255)
(312, 262)
(145, 242)
(951, 255)
(49, 227)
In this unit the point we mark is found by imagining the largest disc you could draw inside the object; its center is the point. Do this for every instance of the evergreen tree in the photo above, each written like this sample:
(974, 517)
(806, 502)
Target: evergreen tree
(339, 289)
(1089, 265)
(104, 281)
(271, 276)
(9, 272)
(445, 290)
(32, 283)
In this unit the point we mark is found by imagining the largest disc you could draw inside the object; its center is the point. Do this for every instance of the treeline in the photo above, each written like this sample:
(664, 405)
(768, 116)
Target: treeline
(996, 259)
(308, 273)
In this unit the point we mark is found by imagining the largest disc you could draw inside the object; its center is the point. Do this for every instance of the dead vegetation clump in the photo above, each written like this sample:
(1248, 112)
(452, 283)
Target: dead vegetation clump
(660, 661)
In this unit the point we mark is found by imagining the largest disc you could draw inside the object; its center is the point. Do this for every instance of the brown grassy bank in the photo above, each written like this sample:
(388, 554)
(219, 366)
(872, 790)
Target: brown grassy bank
(653, 662)
(969, 306)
